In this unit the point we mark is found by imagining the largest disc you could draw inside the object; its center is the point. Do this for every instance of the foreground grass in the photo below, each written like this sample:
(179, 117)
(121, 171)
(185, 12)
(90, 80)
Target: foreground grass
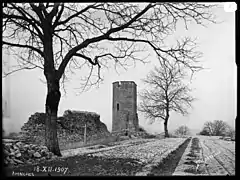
(85, 165)
(82, 165)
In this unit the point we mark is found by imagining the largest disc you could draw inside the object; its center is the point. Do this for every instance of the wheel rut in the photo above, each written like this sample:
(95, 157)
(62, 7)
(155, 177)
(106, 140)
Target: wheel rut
(169, 164)
(218, 160)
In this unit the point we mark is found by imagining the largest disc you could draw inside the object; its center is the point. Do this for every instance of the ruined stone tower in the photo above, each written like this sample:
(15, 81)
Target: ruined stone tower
(124, 113)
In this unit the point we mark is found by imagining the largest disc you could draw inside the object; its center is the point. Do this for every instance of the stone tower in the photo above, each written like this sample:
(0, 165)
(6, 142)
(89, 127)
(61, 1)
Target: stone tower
(124, 113)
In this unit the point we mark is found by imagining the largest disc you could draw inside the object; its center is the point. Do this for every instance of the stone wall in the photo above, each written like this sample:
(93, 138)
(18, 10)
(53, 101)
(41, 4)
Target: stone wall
(70, 128)
(124, 113)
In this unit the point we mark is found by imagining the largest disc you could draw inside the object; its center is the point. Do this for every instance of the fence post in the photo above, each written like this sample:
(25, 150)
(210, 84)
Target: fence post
(85, 134)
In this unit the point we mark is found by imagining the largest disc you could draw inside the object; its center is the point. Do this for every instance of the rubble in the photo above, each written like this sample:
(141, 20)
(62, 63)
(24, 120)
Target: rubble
(17, 153)
(70, 128)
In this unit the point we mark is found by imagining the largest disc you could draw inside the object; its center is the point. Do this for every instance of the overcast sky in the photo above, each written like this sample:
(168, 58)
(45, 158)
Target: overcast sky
(215, 87)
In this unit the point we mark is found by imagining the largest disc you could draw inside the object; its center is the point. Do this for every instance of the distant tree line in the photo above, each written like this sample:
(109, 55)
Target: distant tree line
(217, 128)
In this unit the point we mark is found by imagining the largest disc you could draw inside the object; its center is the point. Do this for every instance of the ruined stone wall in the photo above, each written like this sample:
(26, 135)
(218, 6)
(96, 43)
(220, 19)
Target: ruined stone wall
(70, 128)
(124, 113)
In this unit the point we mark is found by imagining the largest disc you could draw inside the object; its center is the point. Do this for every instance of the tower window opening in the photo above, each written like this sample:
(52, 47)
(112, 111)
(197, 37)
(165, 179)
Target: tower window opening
(117, 107)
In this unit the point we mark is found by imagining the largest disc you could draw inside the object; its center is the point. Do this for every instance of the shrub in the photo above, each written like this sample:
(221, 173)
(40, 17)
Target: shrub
(149, 136)
(204, 132)
(12, 135)
(141, 129)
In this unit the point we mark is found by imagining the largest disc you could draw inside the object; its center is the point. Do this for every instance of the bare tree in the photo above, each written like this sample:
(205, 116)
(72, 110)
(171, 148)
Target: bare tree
(215, 128)
(182, 131)
(60, 38)
(220, 127)
(209, 127)
(166, 92)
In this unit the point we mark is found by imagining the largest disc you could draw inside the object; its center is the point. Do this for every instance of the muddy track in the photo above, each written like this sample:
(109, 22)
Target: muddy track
(169, 164)
(192, 157)
(231, 159)
(205, 165)
(219, 161)
(233, 153)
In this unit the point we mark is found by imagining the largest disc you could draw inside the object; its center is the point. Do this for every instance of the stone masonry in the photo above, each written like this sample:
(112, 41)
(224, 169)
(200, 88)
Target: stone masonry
(124, 113)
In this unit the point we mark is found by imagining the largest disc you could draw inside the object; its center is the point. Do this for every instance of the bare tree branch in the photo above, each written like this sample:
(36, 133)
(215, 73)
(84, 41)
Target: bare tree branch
(16, 70)
(97, 39)
(74, 15)
(23, 16)
(24, 46)
(167, 92)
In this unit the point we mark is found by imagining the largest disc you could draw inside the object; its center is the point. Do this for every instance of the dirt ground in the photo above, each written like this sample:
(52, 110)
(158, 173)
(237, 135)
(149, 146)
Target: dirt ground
(207, 156)
(127, 159)
(221, 155)
(200, 155)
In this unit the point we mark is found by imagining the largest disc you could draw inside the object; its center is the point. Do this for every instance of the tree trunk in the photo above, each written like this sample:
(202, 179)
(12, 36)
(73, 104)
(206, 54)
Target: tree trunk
(166, 121)
(53, 93)
(165, 129)
(52, 101)
(165, 126)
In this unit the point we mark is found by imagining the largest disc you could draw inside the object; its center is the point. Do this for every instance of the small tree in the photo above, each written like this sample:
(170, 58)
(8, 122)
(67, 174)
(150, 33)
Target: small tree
(141, 129)
(204, 132)
(166, 92)
(182, 131)
(209, 128)
(230, 131)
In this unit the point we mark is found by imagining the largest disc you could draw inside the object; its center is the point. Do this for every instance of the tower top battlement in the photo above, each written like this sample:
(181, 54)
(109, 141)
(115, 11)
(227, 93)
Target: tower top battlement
(128, 83)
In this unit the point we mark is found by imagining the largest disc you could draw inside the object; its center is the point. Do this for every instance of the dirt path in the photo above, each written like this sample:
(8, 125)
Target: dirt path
(191, 161)
(185, 162)
(222, 157)
(201, 156)
(207, 156)
(168, 165)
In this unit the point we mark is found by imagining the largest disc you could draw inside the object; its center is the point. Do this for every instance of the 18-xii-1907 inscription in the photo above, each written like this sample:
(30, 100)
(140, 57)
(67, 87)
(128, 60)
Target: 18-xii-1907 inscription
(49, 169)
